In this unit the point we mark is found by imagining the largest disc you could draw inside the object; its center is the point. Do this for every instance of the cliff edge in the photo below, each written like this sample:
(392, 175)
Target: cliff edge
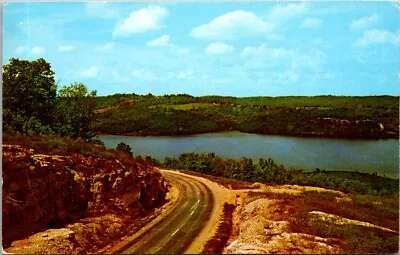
(82, 202)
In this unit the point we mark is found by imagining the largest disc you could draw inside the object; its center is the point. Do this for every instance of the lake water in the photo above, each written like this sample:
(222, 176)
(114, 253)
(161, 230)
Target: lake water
(381, 156)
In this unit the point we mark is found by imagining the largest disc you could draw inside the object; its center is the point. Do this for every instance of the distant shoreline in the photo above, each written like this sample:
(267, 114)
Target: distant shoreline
(305, 135)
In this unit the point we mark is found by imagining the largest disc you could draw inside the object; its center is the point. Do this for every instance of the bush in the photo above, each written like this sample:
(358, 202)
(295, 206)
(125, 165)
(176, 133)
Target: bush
(124, 148)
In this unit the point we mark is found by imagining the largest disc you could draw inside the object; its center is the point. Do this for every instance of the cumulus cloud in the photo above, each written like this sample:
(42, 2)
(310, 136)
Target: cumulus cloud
(377, 36)
(91, 72)
(20, 49)
(311, 23)
(217, 48)
(37, 50)
(145, 19)
(66, 48)
(108, 47)
(288, 11)
(364, 22)
(159, 41)
(231, 26)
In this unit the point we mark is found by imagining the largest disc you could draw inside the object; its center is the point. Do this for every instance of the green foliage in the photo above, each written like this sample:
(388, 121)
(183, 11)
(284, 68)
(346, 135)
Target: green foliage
(29, 95)
(352, 117)
(75, 110)
(124, 147)
(31, 105)
(267, 171)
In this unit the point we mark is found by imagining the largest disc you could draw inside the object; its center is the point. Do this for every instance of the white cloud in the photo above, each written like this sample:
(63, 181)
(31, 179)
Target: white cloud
(159, 41)
(262, 56)
(377, 36)
(231, 26)
(364, 22)
(311, 23)
(143, 20)
(37, 50)
(216, 48)
(20, 49)
(264, 51)
(184, 51)
(91, 72)
(66, 48)
(286, 12)
(104, 48)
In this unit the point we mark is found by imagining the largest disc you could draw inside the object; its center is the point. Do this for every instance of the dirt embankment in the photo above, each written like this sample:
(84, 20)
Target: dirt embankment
(81, 202)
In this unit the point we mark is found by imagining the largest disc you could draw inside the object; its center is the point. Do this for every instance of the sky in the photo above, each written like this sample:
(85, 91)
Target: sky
(214, 48)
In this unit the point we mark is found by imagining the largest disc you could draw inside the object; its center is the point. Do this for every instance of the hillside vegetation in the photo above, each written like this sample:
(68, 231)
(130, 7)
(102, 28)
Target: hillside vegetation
(333, 116)
(267, 171)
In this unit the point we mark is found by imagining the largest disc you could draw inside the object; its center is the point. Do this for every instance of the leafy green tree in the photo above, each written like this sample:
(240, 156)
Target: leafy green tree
(76, 110)
(29, 95)
(124, 147)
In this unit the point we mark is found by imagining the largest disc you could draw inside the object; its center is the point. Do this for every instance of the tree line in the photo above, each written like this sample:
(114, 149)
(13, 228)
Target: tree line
(268, 171)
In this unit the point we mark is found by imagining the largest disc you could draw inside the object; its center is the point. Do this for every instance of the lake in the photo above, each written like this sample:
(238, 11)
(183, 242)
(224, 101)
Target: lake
(308, 153)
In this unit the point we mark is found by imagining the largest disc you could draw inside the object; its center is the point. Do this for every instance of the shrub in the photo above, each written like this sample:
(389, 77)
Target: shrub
(124, 148)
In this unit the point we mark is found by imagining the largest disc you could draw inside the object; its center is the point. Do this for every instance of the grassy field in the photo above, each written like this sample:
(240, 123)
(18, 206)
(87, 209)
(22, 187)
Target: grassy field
(185, 107)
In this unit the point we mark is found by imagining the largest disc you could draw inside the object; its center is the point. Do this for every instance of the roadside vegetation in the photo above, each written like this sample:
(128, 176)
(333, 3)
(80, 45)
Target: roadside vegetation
(331, 116)
(267, 171)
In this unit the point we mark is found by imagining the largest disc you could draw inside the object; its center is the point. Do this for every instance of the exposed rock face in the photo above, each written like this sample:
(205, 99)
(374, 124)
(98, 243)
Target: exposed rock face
(261, 231)
(42, 191)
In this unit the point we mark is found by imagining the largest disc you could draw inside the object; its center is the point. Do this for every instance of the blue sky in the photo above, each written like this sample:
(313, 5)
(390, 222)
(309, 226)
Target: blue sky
(238, 49)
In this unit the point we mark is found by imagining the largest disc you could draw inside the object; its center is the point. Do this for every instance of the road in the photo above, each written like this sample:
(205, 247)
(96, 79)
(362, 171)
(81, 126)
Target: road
(177, 231)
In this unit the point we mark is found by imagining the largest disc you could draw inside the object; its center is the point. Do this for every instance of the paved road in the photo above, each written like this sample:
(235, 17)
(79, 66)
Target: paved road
(176, 232)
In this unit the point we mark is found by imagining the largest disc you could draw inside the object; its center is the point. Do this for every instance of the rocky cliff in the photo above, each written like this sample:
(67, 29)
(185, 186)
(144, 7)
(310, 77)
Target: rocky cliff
(49, 191)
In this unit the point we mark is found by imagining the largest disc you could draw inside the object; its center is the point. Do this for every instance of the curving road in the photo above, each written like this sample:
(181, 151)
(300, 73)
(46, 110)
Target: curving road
(177, 231)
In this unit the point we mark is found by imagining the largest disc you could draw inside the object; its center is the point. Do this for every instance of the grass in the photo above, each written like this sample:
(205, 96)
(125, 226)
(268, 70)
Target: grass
(65, 146)
(313, 101)
(375, 181)
(186, 107)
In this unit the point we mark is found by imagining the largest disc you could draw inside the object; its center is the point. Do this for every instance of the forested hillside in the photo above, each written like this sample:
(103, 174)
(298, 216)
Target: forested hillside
(333, 116)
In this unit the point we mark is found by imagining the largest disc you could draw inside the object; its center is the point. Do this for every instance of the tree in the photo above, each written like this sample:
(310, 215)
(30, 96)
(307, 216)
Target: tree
(76, 110)
(29, 94)
(124, 147)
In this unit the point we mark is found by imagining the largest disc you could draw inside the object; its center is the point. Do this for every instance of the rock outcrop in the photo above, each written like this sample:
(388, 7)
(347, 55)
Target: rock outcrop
(45, 191)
